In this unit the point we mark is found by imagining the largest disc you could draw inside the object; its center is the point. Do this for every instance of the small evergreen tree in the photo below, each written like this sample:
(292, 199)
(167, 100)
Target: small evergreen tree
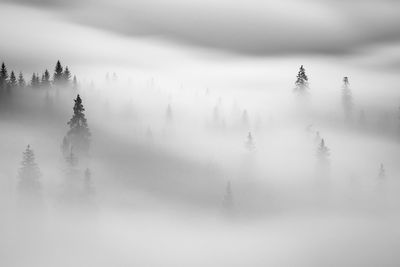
(66, 75)
(21, 80)
(323, 152)
(29, 175)
(46, 79)
(58, 73)
(301, 84)
(249, 142)
(3, 76)
(347, 99)
(13, 81)
(79, 133)
(227, 202)
(74, 83)
(35, 83)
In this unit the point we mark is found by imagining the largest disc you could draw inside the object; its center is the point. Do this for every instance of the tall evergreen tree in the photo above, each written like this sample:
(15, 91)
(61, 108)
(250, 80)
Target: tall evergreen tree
(88, 185)
(29, 175)
(3, 76)
(66, 75)
(79, 133)
(21, 80)
(13, 81)
(301, 84)
(347, 99)
(58, 73)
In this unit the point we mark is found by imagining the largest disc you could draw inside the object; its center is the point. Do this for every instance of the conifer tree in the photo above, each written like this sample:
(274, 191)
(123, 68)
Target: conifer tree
(79, 134)
(249, 142)
(35, 83)
(29, 175)
(301, 84)
(227, 202)
(21, 80)
(66, 75)
(13, 81)
(323, 152)
(74, 83)
(3, 76)
(58, 73)
(347, 99)
(46, 79)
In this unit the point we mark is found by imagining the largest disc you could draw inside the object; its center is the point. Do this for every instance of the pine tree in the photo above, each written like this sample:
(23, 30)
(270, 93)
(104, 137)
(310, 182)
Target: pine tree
(301, 84)
(347, 99)
(29, 175)
(13, 81)
(46, 79)
(79, 134)
(3, 76)
(249, 142)
(323, 152)
(66, 75)
(58, 73)
(35, 83)
(21, 80)
(227, 202)
(74, 83)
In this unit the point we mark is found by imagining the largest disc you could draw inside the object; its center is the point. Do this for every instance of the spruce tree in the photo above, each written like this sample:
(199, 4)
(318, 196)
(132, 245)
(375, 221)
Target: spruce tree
(249, 142)
(46, 79)
(13, 80)
(66, 75)
(21, 80)
(3, 76)
(29, 175)
(79, 133)
(323, 152)
(58, 73)
(301, 84)
(35, 83)
(347, 99)
(74, 83)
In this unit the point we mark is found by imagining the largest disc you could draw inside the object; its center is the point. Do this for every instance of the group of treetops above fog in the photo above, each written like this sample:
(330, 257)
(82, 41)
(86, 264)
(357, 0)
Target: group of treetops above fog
(76, 142)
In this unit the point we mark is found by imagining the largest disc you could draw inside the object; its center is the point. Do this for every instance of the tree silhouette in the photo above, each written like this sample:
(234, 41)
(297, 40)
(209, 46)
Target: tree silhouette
(3, 76)
(66, 75)
(74, 83)
(58, 73)
(381, 173)
(35, 83)
(79, 134)
(21, 80)
(323, 152)
(88, 185)
(46, 79)
(347, 99)
(249, 142)
(301, 84)
(13, 81)
(29, 175)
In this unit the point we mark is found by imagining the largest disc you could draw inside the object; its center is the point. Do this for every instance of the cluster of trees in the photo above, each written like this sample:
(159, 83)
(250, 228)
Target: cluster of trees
(78, 185)
(61, 78)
